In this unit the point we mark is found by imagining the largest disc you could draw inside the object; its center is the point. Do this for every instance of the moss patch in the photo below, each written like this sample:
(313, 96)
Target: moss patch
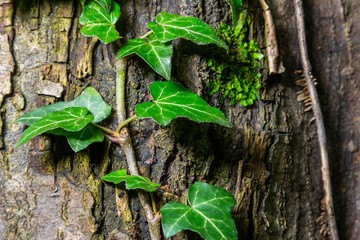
(236, 75)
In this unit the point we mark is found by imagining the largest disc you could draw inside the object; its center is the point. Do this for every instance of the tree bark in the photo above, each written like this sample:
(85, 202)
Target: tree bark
(269, 160)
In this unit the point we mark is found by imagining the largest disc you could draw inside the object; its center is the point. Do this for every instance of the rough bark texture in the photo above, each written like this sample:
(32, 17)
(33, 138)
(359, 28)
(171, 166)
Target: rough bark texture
(269, 160)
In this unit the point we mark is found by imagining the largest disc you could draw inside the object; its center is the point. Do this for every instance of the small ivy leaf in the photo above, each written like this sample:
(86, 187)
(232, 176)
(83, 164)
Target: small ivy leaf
(71, 119)
(89, 99)
(132, 181)
(208, 214)
(235, 8)
(106, 4)
(81, 139)
(155, 53)
(99, 23)
(172, 100)
(171, 26)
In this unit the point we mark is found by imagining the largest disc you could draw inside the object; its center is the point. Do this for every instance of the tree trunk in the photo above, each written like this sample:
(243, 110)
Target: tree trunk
(269, 160)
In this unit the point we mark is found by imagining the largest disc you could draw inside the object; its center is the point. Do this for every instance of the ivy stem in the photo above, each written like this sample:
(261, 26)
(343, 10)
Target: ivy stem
(126, 122)
(153, 202)
(107, 130)
(146, 34)
(127, 147)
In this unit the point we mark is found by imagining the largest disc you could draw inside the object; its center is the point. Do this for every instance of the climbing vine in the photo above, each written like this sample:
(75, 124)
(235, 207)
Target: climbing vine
(78, 120)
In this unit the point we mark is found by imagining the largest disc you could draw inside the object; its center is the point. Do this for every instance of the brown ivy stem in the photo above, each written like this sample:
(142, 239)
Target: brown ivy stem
(299, 12)
(146, 34)
(127, 147)
(272, 50)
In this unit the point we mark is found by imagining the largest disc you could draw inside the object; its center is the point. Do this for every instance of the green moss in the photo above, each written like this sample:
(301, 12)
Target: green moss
(236, 75)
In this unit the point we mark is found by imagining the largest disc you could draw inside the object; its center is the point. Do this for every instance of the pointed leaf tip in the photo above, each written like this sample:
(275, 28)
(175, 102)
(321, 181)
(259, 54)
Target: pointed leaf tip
(235, 8)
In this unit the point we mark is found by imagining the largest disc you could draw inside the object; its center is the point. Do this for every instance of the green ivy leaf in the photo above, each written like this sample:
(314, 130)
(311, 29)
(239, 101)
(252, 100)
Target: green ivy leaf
(171, 26)
(99, 23)
(106, 4)
(155, 53)
(172, 100)
(81, 139)
(132, 181)
(89, 99)
(235, 8)
(208, 214)
(72, 119)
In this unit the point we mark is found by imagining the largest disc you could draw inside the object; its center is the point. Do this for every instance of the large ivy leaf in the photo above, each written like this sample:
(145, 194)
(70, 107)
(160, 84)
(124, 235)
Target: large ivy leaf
(89, 99)
(155, 53)
(99, 23)
(81, 139)
(208, 214)
(72, 119)
(172, 100)
(171, 26)
(235, 8)
(132, 181)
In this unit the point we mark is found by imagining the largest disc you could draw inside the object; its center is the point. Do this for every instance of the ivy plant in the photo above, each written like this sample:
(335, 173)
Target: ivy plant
(171, 100)
(77, 120)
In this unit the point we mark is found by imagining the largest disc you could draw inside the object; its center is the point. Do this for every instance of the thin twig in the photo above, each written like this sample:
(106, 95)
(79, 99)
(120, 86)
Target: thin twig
(299, 12)
(126, 145)
(272, 50)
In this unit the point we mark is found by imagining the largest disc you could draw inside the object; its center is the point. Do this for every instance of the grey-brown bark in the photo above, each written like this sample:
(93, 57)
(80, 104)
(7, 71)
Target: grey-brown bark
(270, 160)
